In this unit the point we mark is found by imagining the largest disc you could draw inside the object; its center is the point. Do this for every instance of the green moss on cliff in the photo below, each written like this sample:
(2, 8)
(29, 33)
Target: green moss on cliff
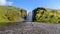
(11, 14)
(47, 15)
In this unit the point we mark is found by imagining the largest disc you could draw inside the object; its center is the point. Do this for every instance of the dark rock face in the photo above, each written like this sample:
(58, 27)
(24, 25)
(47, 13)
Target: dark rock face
(32, 28)
(23, 13)
(36, 11)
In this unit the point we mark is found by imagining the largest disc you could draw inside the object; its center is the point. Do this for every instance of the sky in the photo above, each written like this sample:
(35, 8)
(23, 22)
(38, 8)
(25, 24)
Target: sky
(32, 4)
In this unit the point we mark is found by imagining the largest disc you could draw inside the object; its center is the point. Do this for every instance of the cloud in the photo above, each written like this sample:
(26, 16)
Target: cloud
(5, 2)
(10, 3)
(2, 2)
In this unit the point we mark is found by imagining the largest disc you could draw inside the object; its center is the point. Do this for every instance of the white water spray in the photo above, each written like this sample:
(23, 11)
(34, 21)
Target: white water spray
(29, 17)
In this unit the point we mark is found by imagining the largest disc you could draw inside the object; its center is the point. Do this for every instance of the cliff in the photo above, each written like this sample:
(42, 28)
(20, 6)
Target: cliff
(47, 15)
(10, 14)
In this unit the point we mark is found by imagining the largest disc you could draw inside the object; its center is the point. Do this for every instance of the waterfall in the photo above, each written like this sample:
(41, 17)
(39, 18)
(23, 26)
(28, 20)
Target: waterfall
(29, 17)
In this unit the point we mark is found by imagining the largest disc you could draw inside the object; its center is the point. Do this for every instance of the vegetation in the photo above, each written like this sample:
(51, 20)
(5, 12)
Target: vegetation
(10, 14)
(46, 15)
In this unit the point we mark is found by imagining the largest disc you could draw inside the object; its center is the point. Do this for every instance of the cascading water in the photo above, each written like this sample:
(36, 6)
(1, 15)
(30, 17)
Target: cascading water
(29, 17)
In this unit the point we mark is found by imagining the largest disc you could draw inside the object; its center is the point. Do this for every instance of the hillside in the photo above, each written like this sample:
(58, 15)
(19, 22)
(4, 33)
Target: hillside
(41, 14)
(11, 14)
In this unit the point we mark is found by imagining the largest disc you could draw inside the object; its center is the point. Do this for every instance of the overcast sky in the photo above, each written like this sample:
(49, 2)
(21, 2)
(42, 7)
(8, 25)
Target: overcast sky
(31, 4)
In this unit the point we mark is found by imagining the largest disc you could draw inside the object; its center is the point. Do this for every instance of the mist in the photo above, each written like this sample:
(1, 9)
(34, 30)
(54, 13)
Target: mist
(29, 17)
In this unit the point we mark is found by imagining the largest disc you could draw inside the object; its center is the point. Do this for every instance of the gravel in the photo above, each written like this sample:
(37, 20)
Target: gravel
(31, 28)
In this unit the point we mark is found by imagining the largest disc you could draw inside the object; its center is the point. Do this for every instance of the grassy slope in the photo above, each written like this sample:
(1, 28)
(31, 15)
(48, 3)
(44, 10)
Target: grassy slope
(8, 11)
(47, 14)
(9, 14)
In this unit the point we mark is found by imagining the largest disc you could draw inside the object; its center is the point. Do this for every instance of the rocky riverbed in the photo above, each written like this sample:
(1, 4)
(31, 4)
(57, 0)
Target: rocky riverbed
(31, 28)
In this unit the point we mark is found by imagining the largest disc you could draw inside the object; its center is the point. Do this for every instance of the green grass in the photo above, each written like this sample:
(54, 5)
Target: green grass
(9, 15)
(46, 15)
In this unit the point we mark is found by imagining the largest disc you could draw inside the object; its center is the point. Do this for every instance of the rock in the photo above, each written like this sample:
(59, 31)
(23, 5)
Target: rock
(32, 28)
